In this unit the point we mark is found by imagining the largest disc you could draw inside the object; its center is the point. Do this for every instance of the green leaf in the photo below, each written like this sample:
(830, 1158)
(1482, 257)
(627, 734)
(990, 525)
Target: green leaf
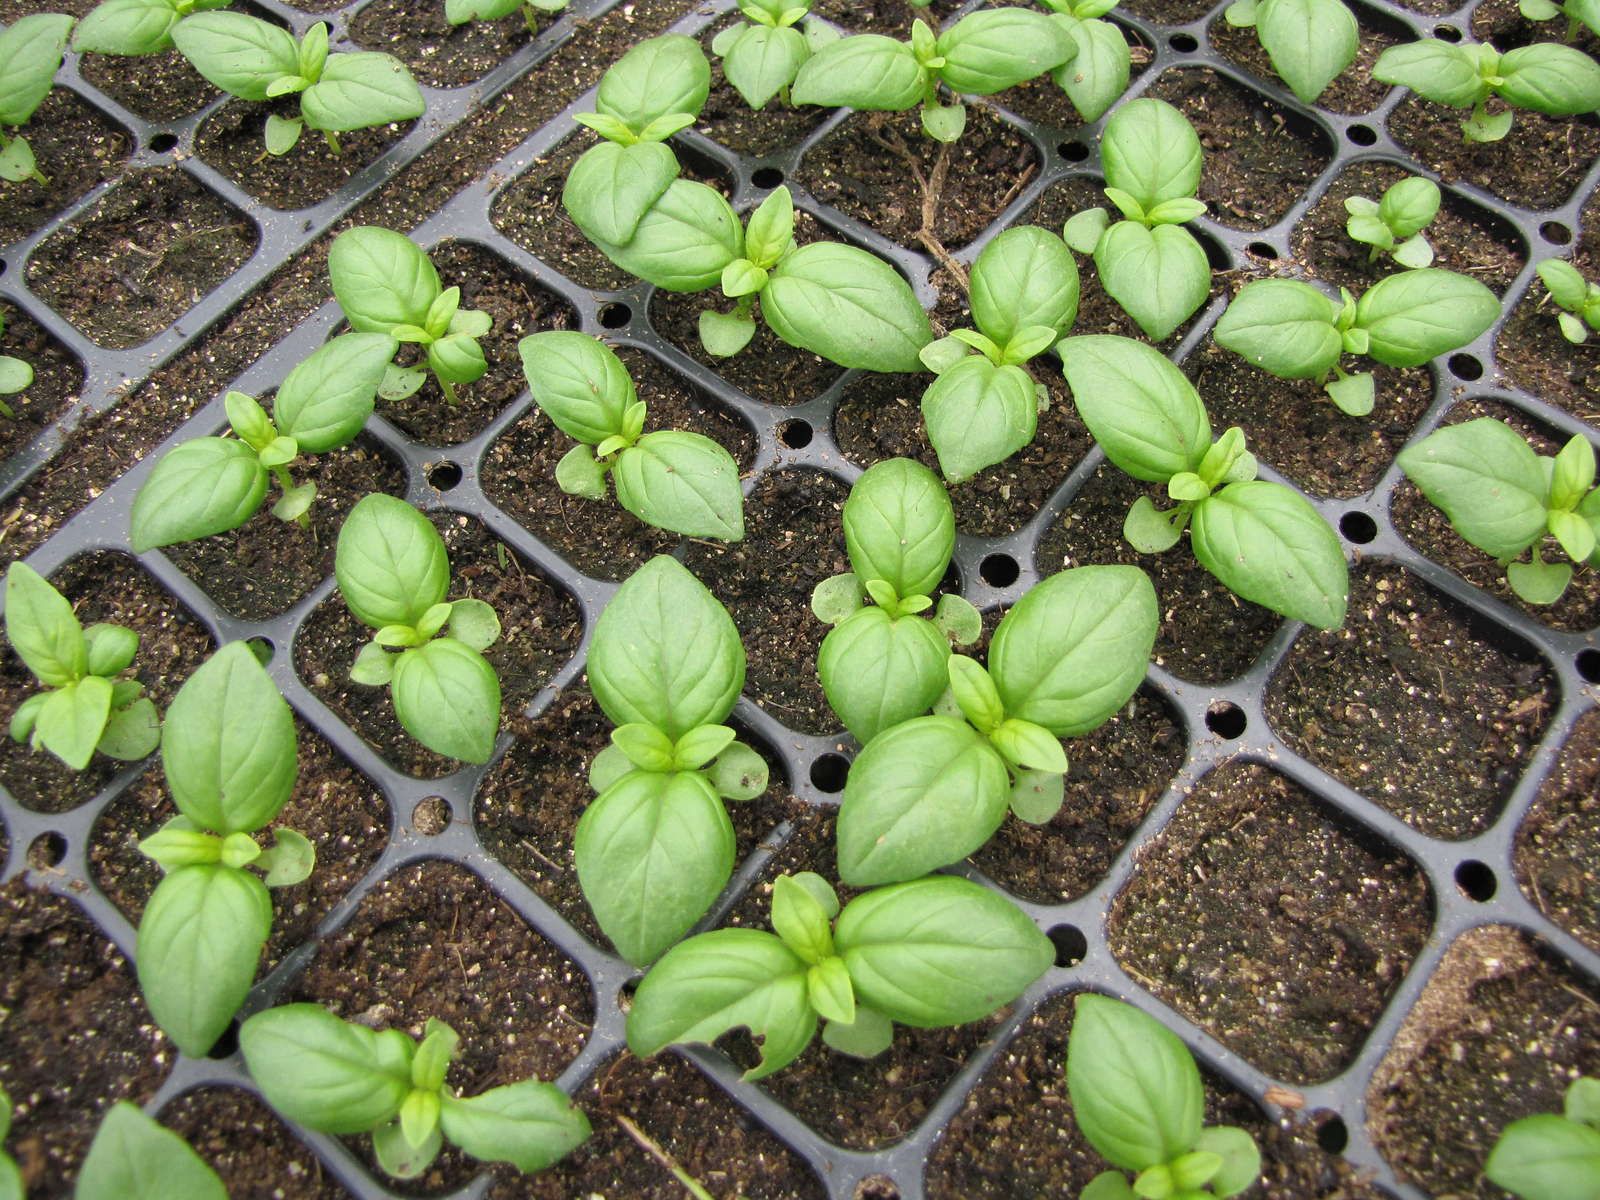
(205, 486)
(1024, 277)
(803, 921)
(646, 746)
(528, 1124)
(1269, 546)
(242, 55)
(683, 482)
(1567, 287)
(1150, 151)
(994, 49)
(1097, 75)
(131, 732)
(1414, 252)
(1084, 230)
(30, 54)
(1483, 126)
(1146, 416)
(579, 382)
(1029, 747)
(611, 187)
(1241, 1160)
(699, 746)
(474, 623)
(770, 230)
(1435, 69)
(944, 122)
(1550, 78)
(978, 414)
(738, 773)
(659, 76)
(848, 306)
(828, 989)
(1417, 315)
(457, 358)
(129, 27)
(1488, 481)
(1176, 211)
(326, 1074)
(879, 671)
(325, 401)
(764, 61)
(921, 795)
(742, 277)
(361, 90)
(381, 278)
(1037, 796)
(866, 71)
(43, 629)
(725, 334)
(974, 693)
(899, 526)
(1283, 326)
(200, 942)
(939, 951)
(1310, 42)
(1354, 394)
(447, 696)
(72, 720)
(720, 981)
(1159, 276)
(1408, 206)
(836, 598)
(684, 241)
(1547, 1158)
(1581, 1102)
(289, 861)
(134, 1158)
(1113, 1185)
(398, 1156)
(459, 12)
(869, 1035)
(1538, 582)
(665, 652)
(390, 562)
(15, 375)
(18, 165)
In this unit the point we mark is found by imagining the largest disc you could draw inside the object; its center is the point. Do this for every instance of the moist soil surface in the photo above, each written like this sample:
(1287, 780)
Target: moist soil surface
(1265, 918)
(76, 147)
(1043, 100)
(57, 379)
(251, 1150)
(1558, 845)
(440, 54)
(728, 120)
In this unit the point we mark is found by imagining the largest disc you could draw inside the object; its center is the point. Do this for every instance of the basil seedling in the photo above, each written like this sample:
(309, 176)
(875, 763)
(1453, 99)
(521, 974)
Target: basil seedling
(229, 753)
(1148, 263)
(885, 663)
(762, 58)
(983, 53)
(1550, 1157)
(673, 479)
(932, 953)
(386, 284)
(1262, 540)
(10, 1175)
(342, 1078)
(1578, 299)
(15, 376)
(1393, 225)
(984, 407)
(393, 572)
(1580, 14)
(1503, 498)
(459, 12)
(256, 60)
(135, 27)
(1136, 1095)
(931, 790)
(212, 484)
(1310, 42)
(1548, 78)
(134, 1157)
(656, 848)
(1291, 330)
(1098, 73)
(85, 707)
(30, 55)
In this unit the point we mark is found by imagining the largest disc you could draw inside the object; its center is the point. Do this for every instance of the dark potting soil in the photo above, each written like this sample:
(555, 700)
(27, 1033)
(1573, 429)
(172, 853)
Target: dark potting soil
(1498, 1034)
(1354, 91)
(793, 541)
(600, 537)
(251, 1150)
(75, 1036)
(57, 379)
(102, 587)
(1422, 708)
(1429, 530)
(1271, 921)
(1558, 844)
(433, 940)
(727, 119)
(1501, 23)
(1207, 633)
(528, 807)
(76, 148)
(1465, 236)
(1259, 156)
(1016, 1135)
(880, 169)
(438, 53)
(146, 253)
(890, 17)
(1169, 12)
(1115, 775)
(1044, 101)
(539, 630)
(158, 87)
(343, 814)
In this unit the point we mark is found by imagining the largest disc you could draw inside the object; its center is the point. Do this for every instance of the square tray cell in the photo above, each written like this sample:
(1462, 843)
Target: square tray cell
(77, 147)
(252, 1151)
(1354, 91)
(440, 54)
(1558, 843)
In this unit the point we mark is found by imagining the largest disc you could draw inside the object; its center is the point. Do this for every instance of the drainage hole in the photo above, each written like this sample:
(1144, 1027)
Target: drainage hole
(1262, 250)
(795, 434)
(1225, 719)
(1464, 366)
(1071, 946)
(1183, 43)
(828, 773)
(1332, 1135)
(1073, 151)
(263, 649)
(228, 1043)
(1588, 664)
(1358, 527)
(999, 570)
(47, 850)
(443, 476)
(1447, 33)
(766, 177)
(1555, 233)
(431, 816)
(1476, 880)
(615, 316)
(163, 142)
(1362, 135)
(877, 1187)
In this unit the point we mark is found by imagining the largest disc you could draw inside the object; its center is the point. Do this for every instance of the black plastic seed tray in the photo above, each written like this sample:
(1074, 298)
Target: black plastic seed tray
(1224, 723)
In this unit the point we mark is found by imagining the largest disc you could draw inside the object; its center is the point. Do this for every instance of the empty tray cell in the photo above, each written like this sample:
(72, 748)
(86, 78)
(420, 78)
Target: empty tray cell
(438, 53)
(1558, 844)
(76, 147)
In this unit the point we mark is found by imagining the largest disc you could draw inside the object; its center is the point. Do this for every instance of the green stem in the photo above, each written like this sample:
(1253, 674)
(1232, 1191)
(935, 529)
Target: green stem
(531, 17)
(449, 390)
(286, 485)
(1573, 25)
(333, 141)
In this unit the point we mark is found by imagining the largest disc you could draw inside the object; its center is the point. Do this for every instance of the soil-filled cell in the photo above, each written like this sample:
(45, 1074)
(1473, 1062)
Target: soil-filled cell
(891, 18)
(1352, 91)
(341, 811)
(1016, 1135)
(433, 940)
(1498, 1034)
(1558, 844)
(57, 379)
(438, 53)
(600, 537)
(1502, 23)
(1044, 101)
(1207, 633)
(727, 119)
(76, 1036)
(539, 630)
(76, 147)
(111, 588)
(141, 257)
(252, 1151)
(1276, 925)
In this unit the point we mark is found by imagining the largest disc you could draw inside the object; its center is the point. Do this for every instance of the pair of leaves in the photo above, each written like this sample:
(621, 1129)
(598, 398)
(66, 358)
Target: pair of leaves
(1546, 77)
(760, 60)
(1310, 42)
(1578, 299)
(1394, 224)
(135, 27)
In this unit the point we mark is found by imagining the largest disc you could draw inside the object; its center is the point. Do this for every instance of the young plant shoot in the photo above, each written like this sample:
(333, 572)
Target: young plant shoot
(1580, 14)
(386, 284)
(761, 59)
(885, 662)
(1547, 77)
(85, 706)
(10, 1174)
(393, 572)
(16, 376)
(1550, 1157)
(256, 60)
(229, 752)
(459, 12)
(341, 1078)
(213, 484)
(656, 848)
(1098, 73)
(929, 791)
(135, 28)
(1578, 299)
(1148, 263)
(1393, 225)
(929, 954)
(1262, 540)
(1503, 497)
(983, 53)
(134, 1157)
(1310, 42)
(30, 55)
(1136, 1095)
(1291, 330)
(673, 479)
(984, 406)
